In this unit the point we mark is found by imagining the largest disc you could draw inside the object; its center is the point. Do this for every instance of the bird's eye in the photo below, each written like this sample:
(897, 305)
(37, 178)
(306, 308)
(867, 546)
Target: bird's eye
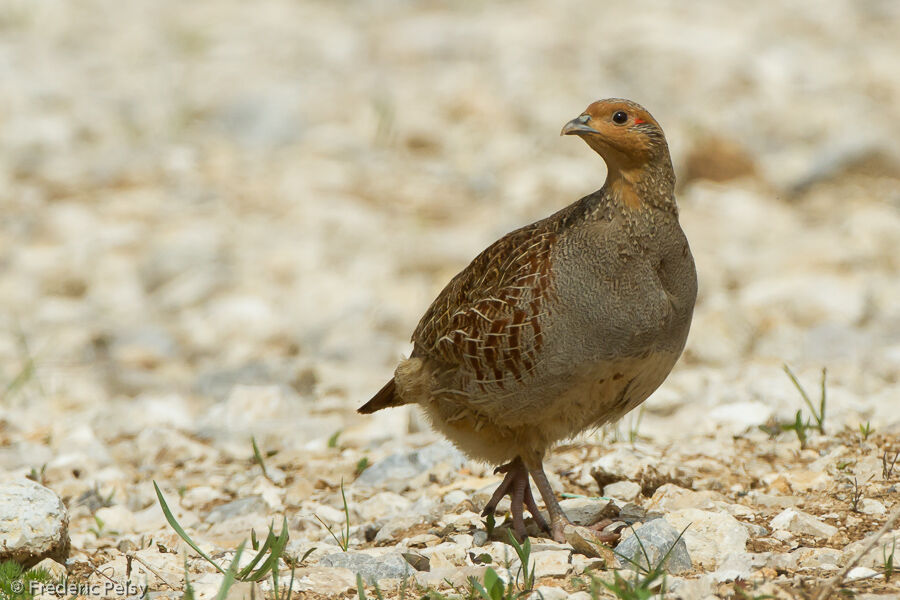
(620, 117)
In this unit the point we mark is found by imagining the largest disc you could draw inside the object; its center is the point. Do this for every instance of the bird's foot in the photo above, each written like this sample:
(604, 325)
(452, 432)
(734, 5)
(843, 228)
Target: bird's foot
(558, 529)
(515, 484)
(607, 537)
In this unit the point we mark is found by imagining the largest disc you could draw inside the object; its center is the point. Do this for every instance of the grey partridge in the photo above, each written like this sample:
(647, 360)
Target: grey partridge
(562, 325)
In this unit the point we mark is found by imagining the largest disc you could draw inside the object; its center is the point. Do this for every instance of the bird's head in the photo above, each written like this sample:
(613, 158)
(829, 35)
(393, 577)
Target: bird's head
(623, 133)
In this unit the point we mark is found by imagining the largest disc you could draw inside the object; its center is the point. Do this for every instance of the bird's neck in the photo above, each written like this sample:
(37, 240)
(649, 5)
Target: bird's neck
(651, 185)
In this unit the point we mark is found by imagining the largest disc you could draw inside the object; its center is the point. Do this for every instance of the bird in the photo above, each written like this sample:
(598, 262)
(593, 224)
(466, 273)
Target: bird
(562, 325)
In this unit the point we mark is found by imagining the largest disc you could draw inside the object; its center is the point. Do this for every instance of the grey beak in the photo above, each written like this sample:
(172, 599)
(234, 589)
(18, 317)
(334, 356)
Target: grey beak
(578, 126)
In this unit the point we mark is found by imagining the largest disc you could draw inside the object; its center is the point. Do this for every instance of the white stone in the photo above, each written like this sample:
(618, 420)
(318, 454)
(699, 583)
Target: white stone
(733, 566)
(870, 506)
(622, 462)
(329, 581)
(802, 523)
(669, 497)
(783, 535)
(57, 571)
(33, 523)
(625, 491)
(208, 587)
(502, 555)
(551, 563)
(701, 588)
(546, 592)
(874, 558)
(710, 536)
(446, 554)
(817, 558)
(454, 498)
(582, 511)
(861, 573)
(391, 530)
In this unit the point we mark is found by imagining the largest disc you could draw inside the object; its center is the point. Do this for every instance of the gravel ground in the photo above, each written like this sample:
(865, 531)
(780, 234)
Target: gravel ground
(222, 220)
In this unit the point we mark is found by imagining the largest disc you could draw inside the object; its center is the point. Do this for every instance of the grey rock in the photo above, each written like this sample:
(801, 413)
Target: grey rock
(755, 530)
(372, 568)
(657, 537)
(631, 513)
(237, 508)
(398, 468)
(34, 524)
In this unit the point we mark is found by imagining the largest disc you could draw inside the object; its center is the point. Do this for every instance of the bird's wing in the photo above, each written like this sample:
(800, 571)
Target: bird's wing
(487, 320)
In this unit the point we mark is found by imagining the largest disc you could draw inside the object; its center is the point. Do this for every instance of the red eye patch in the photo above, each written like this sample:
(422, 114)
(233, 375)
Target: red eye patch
(638, 121)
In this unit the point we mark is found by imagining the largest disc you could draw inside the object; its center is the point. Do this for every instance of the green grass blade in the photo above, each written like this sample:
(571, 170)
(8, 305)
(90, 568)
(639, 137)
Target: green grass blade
(275, 552)
(229, 574)
(819, 415)
(360, 588)
(188, 588)
(181, 532)
(291, 584)
(346, 535)
(257, 456)
(267, 544)
(479, 588)
(258, 557)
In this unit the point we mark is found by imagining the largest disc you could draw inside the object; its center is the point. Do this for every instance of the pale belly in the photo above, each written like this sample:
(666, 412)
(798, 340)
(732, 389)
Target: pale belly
(500, 430)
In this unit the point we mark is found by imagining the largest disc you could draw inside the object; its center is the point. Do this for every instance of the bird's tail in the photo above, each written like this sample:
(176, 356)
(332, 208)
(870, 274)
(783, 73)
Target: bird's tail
(385, 398)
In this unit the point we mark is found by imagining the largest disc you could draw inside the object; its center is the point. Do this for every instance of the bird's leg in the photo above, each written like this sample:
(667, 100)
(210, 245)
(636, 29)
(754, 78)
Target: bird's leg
(515, 483)
(517, 503)
(558, 519)
(531, 505)
(501, 490)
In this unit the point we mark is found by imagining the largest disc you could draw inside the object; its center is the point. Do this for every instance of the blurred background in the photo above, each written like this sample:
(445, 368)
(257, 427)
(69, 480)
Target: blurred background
(223, 218)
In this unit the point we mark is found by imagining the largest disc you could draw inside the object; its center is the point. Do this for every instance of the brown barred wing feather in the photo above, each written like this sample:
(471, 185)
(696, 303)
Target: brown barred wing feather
(487, 322)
